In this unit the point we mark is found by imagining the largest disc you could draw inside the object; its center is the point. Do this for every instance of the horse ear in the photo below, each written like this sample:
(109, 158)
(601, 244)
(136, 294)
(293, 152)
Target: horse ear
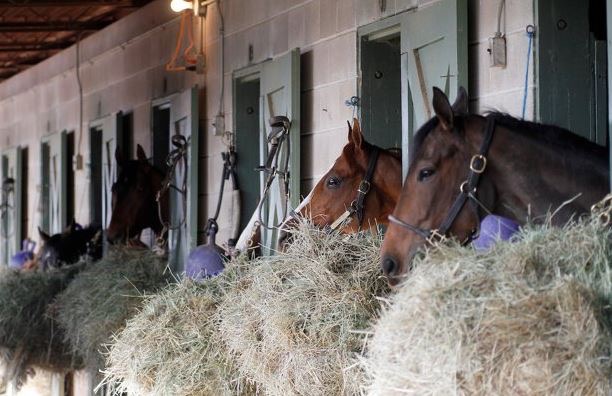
(443, 109)
(140, 154)
(118, 157)
(461, 103)
(355, 136)
(44, 236)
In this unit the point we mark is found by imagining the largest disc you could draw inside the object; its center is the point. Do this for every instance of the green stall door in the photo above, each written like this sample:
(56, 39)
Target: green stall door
(434, 52)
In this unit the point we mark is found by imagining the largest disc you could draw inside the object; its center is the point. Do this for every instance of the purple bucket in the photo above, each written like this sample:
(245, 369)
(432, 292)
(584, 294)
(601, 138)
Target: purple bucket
(204, 261)
(493, 229)
(27, 253)
(207, 260)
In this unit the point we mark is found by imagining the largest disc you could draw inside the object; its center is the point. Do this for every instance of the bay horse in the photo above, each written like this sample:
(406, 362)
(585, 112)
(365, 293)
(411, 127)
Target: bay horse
(359, 191)
(464, 166)
(69, 246)
(134, 202)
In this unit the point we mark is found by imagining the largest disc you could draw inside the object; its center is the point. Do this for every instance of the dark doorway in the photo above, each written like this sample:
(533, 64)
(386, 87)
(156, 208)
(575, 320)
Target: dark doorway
(24, 194)
(125, 123)
(45, 153)
(95, 182)
(381, 102)
(70, 188)
(161, 136)
(247, 145)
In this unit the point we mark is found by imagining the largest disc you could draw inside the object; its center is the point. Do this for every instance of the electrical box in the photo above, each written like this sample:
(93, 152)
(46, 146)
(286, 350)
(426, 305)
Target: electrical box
(78, 162)
(219, 124)
(497, 51)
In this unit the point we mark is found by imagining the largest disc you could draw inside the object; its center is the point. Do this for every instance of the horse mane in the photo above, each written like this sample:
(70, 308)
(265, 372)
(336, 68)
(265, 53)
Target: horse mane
(549, 134)
(545, 133)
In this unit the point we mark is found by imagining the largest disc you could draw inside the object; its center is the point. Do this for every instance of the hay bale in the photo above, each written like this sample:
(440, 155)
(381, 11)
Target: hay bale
(172, 345)
(529, 317)
(293, 327)
(28, 337)
(103, 296)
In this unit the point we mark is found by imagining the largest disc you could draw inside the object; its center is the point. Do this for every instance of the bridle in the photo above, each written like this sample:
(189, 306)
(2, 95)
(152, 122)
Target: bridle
(357, 207)
(467, 190)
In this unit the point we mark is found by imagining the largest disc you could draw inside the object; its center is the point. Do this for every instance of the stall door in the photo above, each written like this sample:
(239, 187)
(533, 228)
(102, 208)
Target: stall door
(184, 207)
(111, 137)
(10, 213)
(54, 182)
(434, 53)
(280, 95)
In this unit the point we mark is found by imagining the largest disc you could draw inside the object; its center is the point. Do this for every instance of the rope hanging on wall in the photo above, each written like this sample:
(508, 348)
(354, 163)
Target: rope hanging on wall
(530, 33)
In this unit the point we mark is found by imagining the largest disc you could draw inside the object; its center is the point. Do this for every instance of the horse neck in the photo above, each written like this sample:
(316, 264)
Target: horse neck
(388, 183)
(532, 177)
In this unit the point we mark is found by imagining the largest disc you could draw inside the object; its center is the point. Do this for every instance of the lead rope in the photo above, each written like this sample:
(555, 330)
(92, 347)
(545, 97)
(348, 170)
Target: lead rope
(179, 154)
(277, 138)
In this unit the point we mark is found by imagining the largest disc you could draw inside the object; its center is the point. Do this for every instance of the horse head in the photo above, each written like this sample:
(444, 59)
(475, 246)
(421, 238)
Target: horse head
(134, 201)
(359, 191)
(464, 166)
(68, 246)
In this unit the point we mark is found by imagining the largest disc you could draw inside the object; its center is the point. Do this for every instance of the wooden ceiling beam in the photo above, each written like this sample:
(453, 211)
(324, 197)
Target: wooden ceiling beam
(71, 3)
(34, 47)
(54, 26)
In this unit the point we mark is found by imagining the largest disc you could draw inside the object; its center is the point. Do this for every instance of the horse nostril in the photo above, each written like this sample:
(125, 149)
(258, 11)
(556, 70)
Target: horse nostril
(389, 265)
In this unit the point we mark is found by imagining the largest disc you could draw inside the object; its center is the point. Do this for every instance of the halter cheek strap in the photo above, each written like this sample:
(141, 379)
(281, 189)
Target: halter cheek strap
(357, 207)
(467, 190)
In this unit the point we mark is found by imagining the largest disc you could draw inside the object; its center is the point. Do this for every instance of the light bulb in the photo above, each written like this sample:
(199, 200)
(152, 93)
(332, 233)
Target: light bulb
(180, 5)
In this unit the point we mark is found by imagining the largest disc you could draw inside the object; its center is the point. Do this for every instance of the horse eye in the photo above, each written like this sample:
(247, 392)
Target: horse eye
(333, 182)
(425, 173)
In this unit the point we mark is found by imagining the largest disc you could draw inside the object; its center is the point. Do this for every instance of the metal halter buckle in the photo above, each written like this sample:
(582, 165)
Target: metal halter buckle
(474, 163)
(364, 187)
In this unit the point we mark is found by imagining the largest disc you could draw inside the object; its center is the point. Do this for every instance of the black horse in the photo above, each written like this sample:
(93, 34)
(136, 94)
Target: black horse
(69, 246)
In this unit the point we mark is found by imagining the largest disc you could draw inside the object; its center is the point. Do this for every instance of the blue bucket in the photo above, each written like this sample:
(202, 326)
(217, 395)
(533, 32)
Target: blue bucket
(26, 254)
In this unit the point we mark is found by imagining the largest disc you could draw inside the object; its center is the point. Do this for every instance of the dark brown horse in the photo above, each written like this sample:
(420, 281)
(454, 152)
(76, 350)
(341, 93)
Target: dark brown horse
(68, 247)
(464, 165)
(134, 199)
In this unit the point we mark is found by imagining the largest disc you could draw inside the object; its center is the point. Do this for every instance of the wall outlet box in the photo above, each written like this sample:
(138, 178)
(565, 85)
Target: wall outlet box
(497, 51)
(219, 124)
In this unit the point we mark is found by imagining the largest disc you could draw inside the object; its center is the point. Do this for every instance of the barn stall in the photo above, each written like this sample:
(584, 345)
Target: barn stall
(320, 63)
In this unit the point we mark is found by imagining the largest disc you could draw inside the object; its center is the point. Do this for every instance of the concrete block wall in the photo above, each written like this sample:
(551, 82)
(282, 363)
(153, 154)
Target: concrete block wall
(122, 69)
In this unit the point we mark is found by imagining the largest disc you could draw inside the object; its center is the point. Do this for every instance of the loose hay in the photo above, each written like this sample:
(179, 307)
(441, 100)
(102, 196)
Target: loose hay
(172, 346)
(530, 317)
(27, 336)
(103, 296)
(294, 325)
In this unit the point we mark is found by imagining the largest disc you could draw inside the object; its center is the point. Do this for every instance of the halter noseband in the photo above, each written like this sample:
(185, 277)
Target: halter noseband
(467, 190)
(357, 207)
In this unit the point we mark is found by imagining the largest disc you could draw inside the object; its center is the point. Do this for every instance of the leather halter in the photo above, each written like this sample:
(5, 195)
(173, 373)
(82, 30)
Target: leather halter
(357, 207)
(467, 190)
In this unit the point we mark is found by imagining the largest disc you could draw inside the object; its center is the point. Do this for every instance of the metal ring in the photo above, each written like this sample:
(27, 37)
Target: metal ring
(364, 187)
(473, 163)
(463, 189)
